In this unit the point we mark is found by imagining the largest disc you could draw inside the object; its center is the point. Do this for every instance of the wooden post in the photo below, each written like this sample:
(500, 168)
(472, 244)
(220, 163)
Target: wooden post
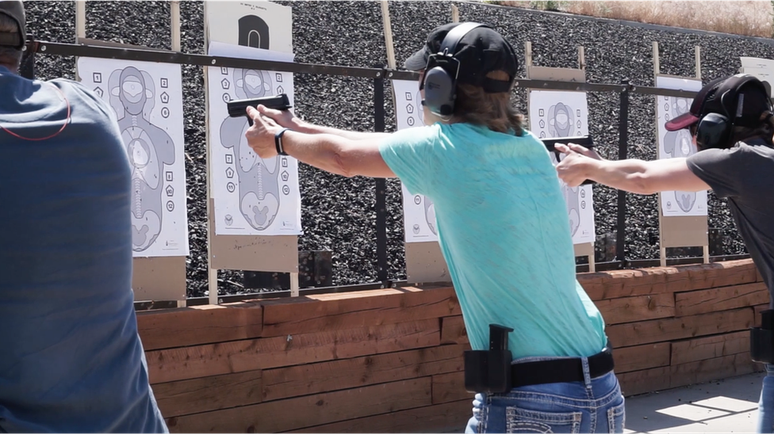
(387, 26)
(455, 13)
(697, 55)
(80, 20)
(174, 10)
(174, 13)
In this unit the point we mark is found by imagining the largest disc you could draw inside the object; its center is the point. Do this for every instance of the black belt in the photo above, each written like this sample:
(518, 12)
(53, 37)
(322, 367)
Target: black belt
(560, 370)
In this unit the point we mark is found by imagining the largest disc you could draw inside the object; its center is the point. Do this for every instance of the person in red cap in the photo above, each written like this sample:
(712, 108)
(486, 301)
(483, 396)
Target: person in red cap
(731, 123)
(71, 360)
(503, 230)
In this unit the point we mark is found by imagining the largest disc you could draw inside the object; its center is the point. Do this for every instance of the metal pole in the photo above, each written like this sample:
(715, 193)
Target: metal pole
(623, 140)
(27, 67)
(381, 186)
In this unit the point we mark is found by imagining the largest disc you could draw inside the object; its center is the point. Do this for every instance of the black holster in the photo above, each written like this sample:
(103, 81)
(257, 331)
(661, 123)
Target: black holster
(489, 371)
(762, 339)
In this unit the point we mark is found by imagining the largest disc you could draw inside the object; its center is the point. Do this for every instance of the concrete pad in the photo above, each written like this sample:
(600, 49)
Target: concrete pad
(726, 406)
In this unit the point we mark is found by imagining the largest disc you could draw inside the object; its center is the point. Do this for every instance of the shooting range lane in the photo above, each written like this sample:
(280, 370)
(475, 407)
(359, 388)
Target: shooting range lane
(337, 213)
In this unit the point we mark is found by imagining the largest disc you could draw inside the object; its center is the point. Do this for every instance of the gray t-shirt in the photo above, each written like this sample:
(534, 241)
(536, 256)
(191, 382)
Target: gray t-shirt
(70, 356)
(745, 175)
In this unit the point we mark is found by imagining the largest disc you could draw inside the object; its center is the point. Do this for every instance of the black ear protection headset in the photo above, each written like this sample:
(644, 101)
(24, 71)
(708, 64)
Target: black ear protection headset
(440, 80)
(714, 129)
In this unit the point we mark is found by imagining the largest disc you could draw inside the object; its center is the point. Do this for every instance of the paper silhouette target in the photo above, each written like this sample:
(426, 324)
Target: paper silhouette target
(253, 196)
(259, 187)
(418, 210)
(679, 143)
(560, 120)
(563, 114)
(257, 24)
(147, 100)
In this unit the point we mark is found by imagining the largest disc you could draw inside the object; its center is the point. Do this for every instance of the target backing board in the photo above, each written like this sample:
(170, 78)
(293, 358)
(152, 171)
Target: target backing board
(679, 143)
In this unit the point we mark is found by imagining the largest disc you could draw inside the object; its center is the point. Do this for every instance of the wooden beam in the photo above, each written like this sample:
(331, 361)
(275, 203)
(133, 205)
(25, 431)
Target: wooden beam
(712, 369)
(646, 356)
(453, 331)
(342, 311)
(650, 331)
(720, 298)
(308, 411)
(645, 381)
(622, 283)
(245, 355)
(710, 347)
(208, 394)
(450, 387)
(160, 329)
(636, 308)
(444, 418)
(308, 379)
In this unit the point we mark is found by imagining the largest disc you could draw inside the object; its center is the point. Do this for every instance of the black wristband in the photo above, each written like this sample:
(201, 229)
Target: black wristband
(278, 142)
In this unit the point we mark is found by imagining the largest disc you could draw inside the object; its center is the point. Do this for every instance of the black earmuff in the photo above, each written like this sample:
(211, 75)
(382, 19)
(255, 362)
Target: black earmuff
(440, 80)
(713, 131)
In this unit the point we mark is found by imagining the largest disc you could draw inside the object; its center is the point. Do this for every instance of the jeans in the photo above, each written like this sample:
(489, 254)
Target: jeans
(592, 406)
(766, 403)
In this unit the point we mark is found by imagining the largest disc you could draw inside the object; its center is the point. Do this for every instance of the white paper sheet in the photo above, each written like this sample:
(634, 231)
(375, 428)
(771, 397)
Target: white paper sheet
(418, 210)
(258, 24)
(252, 196)
(148, 100)
(562, 114)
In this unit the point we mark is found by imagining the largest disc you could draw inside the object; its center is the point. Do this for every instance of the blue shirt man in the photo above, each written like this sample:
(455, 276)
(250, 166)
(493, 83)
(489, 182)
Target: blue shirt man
(70, 356)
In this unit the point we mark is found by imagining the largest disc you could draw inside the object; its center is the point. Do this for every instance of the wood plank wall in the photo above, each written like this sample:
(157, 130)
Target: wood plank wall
(391, 360)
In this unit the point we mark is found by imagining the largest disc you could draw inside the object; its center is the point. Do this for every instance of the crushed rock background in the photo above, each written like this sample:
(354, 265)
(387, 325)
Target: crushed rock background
(338, 213)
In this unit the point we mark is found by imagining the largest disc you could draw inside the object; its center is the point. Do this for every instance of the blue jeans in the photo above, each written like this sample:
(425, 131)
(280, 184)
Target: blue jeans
(593, 406)
(766, 403)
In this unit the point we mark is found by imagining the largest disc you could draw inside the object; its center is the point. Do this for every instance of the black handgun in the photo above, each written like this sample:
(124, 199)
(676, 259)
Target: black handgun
(237, 108)
(585, 141)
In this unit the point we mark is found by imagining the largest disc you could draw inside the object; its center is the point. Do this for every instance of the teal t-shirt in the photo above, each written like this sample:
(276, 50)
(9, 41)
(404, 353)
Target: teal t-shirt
(504, 232)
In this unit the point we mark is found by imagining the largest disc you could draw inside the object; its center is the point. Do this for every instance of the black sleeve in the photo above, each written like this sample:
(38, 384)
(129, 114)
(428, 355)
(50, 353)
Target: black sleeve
(723, 169)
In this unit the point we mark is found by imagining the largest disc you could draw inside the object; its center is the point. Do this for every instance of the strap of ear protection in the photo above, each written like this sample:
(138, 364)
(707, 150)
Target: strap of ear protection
(453, 37)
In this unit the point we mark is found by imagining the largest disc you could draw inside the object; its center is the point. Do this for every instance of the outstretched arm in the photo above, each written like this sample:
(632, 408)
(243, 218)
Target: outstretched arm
(329, 152)
(286, 118)
(631, 175)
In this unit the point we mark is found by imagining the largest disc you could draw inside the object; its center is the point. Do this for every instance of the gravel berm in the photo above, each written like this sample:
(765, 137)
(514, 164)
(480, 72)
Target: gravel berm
(338, 213)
